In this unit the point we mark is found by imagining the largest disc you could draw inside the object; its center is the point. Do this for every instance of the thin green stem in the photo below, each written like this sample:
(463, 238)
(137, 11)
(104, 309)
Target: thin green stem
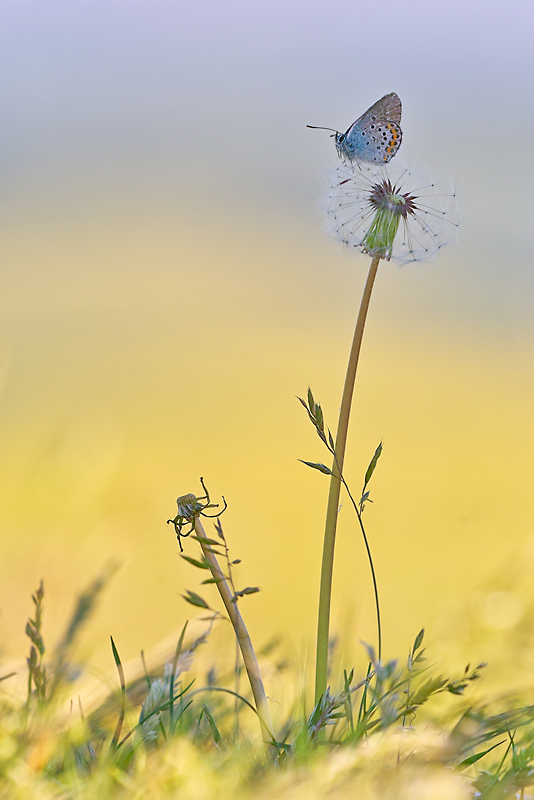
(375, 589)
(242, 635)
(323, 625)
(371, 564)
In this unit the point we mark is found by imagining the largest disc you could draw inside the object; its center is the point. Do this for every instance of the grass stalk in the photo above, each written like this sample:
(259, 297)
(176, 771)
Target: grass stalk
(244, 641)
(325, 592)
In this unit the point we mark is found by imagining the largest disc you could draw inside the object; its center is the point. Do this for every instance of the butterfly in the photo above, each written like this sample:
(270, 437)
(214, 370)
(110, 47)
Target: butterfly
(375, 136)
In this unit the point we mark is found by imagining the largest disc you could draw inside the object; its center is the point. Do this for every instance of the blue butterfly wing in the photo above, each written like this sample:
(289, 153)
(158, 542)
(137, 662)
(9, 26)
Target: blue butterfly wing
(388, 107)
(375, 136)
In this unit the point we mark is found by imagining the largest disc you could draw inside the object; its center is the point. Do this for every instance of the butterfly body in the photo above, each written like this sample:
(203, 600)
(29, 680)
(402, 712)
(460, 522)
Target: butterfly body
(375, 136)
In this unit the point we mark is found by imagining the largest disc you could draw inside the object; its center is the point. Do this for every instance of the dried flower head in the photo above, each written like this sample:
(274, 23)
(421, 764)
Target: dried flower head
(190, 508)
(391, 212)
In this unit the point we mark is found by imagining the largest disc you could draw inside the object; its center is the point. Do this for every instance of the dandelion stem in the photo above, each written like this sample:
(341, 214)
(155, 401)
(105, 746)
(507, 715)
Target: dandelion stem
(242, 635)
(325, 592)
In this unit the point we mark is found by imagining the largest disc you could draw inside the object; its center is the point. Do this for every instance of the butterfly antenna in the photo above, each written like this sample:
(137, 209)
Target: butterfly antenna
(318, 128)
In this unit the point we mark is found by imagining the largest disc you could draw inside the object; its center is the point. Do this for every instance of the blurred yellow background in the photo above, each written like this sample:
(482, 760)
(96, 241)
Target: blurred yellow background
(167, 292)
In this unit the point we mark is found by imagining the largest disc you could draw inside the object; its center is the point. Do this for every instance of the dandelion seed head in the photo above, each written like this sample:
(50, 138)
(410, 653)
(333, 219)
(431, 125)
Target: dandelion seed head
(394, 212)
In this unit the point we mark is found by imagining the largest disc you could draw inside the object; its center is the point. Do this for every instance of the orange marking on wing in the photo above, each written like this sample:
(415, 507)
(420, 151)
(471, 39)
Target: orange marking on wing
(394, 137)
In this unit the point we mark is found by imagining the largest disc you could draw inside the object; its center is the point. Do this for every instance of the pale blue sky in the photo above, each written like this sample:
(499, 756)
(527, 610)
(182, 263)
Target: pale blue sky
(203, 106)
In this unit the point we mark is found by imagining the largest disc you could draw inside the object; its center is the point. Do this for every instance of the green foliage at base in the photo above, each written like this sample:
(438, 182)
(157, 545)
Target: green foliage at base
(165, 734)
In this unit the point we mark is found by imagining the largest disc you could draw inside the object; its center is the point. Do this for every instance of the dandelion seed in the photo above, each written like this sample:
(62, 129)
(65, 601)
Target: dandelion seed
(391, 212)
